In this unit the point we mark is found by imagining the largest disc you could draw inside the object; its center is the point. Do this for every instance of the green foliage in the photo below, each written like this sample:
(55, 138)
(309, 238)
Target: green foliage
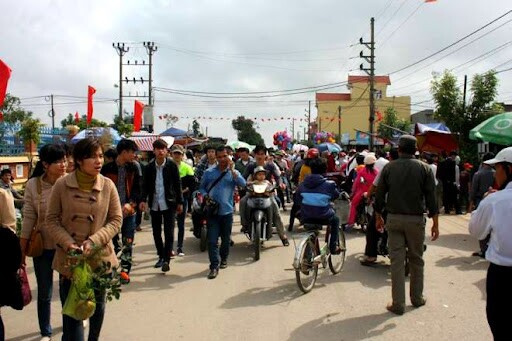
(29, 131)
(13, 114)
(246, 132)
(82, 123)
(391, 119)
(460, 118)
(125, 125)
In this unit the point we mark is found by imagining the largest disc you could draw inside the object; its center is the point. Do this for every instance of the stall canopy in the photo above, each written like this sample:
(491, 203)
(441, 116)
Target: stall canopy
(435, 138)
(175, 132)
(496, 129)
(145, 140)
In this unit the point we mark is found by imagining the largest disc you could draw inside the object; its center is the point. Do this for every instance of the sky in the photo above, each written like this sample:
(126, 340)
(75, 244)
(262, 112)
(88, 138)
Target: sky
(214, 51)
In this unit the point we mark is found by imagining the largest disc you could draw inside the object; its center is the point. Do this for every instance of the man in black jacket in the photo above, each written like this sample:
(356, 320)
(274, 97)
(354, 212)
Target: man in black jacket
(161, 192)
(124, 173)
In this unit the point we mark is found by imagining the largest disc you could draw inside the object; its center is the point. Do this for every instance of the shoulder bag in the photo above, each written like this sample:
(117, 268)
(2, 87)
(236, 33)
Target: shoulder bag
(210, 207)
(34, 246)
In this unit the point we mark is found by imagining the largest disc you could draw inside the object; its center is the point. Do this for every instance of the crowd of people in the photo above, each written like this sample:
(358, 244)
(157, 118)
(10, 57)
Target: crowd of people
(86, 198)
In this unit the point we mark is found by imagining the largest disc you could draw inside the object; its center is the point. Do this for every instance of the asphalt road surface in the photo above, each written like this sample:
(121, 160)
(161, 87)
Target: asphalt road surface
(261, 301)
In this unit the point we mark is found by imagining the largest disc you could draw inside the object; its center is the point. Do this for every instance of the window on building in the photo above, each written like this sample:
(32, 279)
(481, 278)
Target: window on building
(4, 167)
(19, 171)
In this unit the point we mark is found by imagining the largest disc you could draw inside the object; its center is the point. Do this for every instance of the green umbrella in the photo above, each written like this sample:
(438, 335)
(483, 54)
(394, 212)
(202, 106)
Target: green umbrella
(496, 129)
(239, 144)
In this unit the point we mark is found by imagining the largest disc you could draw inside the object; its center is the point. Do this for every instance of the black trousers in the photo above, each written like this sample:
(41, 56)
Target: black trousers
(169, 218)
(373, 236)
(499, 300)
(449, 196)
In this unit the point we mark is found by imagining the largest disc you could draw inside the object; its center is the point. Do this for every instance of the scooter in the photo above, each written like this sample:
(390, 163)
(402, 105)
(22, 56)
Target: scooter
(259, 203)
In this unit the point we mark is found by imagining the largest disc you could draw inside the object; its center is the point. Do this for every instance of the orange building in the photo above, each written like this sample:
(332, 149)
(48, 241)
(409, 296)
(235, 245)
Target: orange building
(355, 106)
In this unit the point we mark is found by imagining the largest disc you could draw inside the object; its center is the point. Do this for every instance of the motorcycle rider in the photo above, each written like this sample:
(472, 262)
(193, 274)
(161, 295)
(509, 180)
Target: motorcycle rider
(260, 153)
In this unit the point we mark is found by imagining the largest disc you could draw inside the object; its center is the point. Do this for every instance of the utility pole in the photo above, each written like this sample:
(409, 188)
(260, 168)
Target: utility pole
(309, 121)
(339, 124)
(150, 48)
(464, 94)
(121, 51)
(51, 113)
(371, 72)
(293, 127)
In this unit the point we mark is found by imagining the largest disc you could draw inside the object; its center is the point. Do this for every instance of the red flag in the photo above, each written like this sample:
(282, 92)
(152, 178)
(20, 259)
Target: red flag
(427, 1)
(137, 115)
(90, 91)
(77, 117)
(379, 116)
(5, 74)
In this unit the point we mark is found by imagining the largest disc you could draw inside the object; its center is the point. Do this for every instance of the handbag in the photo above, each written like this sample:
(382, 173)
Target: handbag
(35, 246)
(210, 207)
(26, 294)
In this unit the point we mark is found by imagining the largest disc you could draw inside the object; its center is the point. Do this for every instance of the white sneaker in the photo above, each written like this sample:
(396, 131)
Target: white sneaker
(46, 338)
(181, 253)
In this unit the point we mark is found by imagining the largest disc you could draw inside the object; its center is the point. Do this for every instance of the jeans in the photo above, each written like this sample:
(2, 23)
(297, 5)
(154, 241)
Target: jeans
(334, 223)
(163, 251)
(499, 297)
(128, 235)
(181, 226)
(219, 226)
(73, 330)
(44, 275)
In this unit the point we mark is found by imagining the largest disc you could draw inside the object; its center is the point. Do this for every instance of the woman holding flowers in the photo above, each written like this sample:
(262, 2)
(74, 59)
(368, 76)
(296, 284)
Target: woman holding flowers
(84, 214)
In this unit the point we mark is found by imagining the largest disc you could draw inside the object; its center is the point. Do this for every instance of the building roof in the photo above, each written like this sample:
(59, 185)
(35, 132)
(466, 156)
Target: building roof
(366, 79)
(332, 97)
(13, 159)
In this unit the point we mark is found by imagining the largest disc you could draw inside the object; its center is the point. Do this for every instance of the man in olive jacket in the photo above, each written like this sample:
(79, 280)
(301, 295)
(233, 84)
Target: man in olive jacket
(161, 193)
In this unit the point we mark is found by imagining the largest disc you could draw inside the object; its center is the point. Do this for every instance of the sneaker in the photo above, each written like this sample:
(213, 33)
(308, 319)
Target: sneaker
(180, 252)
(213, 273)
(125, 277)
(223, 264)
(159, 263)
(165, 267)
(173, 254)
(285, 241)
(419, 303)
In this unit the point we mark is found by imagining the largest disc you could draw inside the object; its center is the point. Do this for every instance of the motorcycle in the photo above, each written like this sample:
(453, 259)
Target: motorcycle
(259, 203)
(199, 221)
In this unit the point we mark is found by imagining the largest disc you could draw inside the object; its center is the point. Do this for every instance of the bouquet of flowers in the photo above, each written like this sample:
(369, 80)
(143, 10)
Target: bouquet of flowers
(81, 302)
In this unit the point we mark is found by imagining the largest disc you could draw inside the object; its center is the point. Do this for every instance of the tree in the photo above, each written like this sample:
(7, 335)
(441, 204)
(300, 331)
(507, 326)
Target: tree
(196, 128)
(125, 125)
(391, 119)
(82, 123)
(30, 134)
(459, 117)
(246, 132)
(12, 113)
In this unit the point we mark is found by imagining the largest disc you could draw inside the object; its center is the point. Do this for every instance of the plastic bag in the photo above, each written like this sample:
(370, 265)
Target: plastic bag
(81, 302)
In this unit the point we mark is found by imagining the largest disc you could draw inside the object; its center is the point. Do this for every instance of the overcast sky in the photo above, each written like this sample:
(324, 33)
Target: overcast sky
(222, 46)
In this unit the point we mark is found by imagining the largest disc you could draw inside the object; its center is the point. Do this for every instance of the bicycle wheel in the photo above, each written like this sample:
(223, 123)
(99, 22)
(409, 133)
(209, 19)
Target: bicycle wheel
(336, 261)
(256, 239)
(308, 269)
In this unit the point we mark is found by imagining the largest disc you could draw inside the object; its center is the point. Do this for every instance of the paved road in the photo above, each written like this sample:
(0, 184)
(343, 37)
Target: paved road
(260, 300)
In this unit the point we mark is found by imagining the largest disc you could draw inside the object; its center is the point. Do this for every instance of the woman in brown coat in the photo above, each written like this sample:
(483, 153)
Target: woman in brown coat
(84, 213)
(50, 167)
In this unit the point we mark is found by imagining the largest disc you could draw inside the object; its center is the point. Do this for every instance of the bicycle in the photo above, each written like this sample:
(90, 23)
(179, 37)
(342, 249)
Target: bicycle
(308, 255)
